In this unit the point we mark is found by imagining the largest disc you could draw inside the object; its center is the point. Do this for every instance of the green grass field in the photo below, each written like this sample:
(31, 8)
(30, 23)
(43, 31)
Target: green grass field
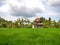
(29, 36)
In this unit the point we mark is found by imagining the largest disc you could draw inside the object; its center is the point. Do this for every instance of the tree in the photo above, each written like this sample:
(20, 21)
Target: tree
(18, 23)
(59, 23)
(41, 19)
(49, 21)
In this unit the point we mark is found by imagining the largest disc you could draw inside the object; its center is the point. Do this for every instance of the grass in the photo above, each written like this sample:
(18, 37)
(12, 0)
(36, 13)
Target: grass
(29, 36)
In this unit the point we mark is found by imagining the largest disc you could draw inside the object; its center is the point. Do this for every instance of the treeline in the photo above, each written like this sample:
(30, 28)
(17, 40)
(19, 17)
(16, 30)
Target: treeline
(19, 23)
(26, 23)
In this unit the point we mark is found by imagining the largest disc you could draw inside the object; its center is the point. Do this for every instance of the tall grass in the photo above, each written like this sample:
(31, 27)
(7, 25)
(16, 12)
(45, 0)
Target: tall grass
(29, 36)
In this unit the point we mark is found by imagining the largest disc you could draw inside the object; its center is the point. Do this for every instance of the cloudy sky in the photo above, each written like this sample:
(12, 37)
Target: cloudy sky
(13, 9)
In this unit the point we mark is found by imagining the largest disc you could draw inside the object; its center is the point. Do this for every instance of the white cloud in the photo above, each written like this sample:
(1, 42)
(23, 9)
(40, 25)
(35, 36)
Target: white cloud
(11, 9)
(33, 4)
(28, 8)
(32, 7)
(5, 8)
(15, 3)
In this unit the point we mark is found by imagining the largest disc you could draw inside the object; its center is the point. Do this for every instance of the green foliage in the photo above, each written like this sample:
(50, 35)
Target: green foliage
(29, 36)
(49, 21)
(25, 23)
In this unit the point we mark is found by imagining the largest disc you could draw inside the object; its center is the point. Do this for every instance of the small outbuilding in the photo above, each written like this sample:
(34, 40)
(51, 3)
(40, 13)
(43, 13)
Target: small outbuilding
(37, 23)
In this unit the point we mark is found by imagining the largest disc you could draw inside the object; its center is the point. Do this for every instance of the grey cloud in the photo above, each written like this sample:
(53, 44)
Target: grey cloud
(55, 6)
(54, 3)
(24, 11)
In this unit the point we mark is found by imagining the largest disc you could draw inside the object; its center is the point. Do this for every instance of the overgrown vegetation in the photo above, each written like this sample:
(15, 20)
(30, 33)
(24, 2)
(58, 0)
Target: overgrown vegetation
(26, 23)
(29, 36)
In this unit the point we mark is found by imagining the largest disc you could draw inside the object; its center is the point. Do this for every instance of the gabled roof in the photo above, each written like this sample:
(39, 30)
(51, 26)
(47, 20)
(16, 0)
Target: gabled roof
(38, 20)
